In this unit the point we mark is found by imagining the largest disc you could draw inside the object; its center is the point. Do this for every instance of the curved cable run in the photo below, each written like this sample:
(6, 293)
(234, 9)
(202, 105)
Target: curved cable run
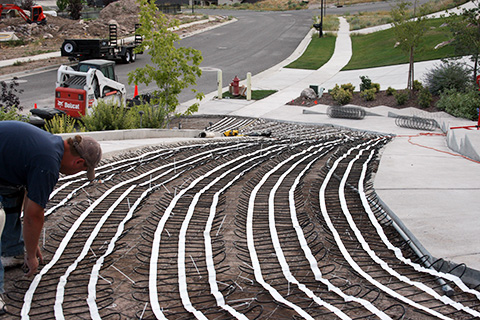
(311, 259)
(64, 278)
(35, 282)
(95, 273)
(276, 241)
(342, 247)
(251, 246)
(182, 279)
(153, 292)
(446, 300)
(398, 253)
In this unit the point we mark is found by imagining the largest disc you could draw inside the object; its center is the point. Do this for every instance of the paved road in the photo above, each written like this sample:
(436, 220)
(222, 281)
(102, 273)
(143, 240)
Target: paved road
(257, 41)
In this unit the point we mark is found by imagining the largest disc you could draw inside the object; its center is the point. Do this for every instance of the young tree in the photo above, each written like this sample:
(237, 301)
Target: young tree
(174, 68)
(466, 30)
(409, 29)
(75, 9)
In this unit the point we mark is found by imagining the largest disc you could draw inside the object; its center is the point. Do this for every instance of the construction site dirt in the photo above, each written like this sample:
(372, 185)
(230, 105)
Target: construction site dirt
(280, 222)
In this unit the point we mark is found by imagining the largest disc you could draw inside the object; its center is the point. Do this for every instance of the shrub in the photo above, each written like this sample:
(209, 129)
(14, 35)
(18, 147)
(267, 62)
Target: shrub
(108, 116)
(376, 86)
(366, 83)
(340, 95)
(447, 76)
(390, 91)
(348, 86)
(62, 124)
(424, 98)
(417, 85)
(9, 114)
(460, 103)
(149, 116)
(368, 95)
(401, 97)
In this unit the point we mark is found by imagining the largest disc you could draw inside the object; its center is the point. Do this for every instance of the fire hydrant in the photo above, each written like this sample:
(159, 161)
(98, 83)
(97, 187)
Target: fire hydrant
(235, 84)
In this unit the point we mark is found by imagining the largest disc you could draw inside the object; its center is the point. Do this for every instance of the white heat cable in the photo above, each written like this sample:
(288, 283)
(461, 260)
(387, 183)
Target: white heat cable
(34, 284)
(311, 258)
(95, 274)
(182, 278)
(274, 235)
(446, 300)
(64, 200)
(61, 248)
(59, 298)
(186, 162)
(221, 124)
(153, 292)
(257, 269)
(398, 253)
(347, 255)
(212, 275)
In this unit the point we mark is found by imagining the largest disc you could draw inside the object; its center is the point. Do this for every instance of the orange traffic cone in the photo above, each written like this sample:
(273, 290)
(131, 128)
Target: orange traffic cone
(135, 93)
(35, 106)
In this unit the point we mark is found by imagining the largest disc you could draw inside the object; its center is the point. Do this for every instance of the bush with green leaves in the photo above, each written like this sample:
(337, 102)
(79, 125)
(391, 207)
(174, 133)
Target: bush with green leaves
(424, 98)
(402, 96)
(390, 91)
(108, 116)
(348, 86)
(460, 103)
(63, 124)
(9, 114)
(376, 86)
(365, 84)
(149, 116)
(449, 75)
(340, 95)
(369, 94)
(417, 85)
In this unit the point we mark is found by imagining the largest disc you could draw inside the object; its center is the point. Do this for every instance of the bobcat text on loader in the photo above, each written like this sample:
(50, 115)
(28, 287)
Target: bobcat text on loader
(78, 90)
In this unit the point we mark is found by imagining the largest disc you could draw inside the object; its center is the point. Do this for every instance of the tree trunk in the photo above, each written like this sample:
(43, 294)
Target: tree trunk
(410, 71)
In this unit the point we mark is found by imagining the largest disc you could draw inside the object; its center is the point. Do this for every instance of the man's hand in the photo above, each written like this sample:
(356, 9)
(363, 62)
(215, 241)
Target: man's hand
(32, 262)
(32, 227)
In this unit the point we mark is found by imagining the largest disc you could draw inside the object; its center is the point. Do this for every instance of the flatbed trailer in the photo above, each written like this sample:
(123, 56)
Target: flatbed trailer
(108, 49)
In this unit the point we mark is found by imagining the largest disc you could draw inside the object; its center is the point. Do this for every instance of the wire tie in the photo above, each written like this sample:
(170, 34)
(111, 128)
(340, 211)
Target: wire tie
(195, 265)
(143, 311)
(123, 274)
(109, 282)
(221, 224)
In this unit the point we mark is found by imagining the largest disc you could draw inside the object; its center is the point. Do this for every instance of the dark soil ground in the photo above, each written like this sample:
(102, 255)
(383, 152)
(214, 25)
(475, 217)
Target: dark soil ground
(382, 99)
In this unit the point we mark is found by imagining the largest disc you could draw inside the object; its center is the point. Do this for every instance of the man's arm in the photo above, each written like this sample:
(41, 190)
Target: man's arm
(33, 218)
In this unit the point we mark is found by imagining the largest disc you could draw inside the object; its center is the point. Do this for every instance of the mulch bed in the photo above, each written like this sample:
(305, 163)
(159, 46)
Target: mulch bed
(382, 99)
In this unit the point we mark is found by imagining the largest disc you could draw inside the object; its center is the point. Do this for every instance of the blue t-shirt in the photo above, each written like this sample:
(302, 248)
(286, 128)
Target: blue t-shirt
(31, 157)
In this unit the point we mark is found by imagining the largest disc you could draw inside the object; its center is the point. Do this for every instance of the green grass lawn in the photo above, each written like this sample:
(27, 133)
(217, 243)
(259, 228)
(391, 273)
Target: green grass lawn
(317, 53)
(256, 94)
(376, 49)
